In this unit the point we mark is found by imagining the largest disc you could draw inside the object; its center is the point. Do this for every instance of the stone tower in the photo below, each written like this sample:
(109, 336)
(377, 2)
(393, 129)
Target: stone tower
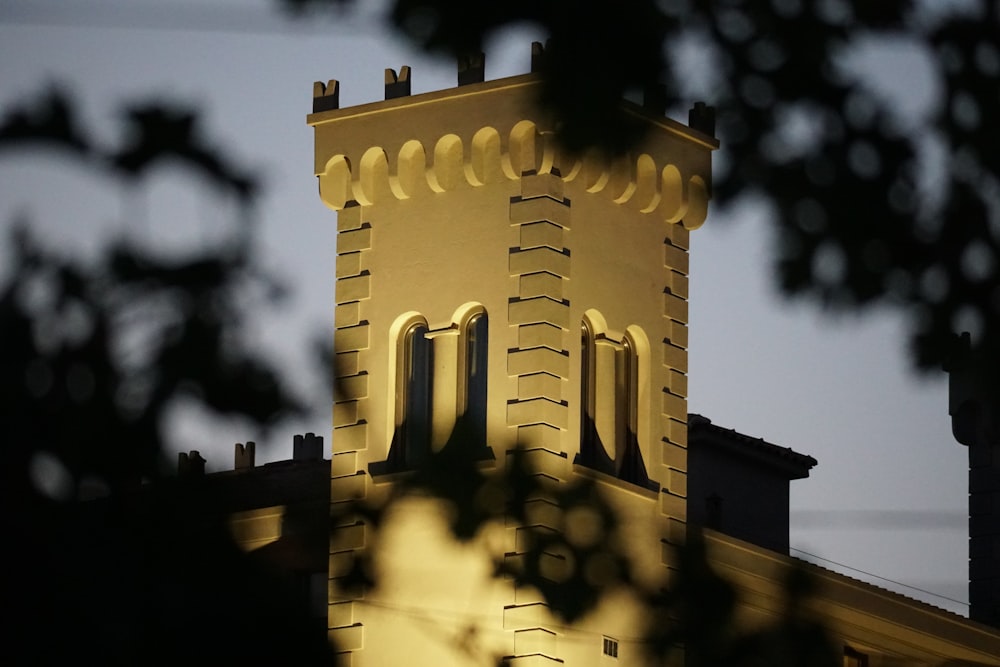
(484, 280)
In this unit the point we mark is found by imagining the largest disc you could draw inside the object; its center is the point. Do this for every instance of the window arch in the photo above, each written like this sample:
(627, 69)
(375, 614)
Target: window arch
(612, 378)
(629, 463)
(437, 377)
(473, 392)
(593, 453)
(410, 395)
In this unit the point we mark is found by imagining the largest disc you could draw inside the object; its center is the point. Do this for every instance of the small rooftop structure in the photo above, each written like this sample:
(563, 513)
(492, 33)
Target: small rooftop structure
(738, 484)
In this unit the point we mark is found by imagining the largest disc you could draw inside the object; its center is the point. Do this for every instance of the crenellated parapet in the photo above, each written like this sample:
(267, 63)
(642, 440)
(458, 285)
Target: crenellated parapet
(398, 148)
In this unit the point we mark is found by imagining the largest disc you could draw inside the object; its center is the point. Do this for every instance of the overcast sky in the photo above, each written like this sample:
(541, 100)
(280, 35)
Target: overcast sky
(889, 494)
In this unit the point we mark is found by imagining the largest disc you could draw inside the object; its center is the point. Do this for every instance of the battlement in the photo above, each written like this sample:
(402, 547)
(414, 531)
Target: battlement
(308, 447)
(412, 146)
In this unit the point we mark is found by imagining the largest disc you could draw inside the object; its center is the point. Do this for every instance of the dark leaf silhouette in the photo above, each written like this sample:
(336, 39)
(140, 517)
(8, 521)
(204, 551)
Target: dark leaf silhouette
(49, 121)
(159, 131)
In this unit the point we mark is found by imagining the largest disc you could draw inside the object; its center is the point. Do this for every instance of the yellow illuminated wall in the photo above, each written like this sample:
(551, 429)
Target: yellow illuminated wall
(456, 208)
(457, 202)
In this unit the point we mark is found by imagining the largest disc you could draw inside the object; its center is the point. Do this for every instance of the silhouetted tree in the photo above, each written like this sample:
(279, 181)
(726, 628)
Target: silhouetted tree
(95, 353)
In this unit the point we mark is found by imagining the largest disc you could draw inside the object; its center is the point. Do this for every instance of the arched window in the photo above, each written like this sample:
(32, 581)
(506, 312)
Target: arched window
(629, 464)
(473, 409)
(469, 432)
(593, 453)
(426, 399)
(411, 429)
(621, 458)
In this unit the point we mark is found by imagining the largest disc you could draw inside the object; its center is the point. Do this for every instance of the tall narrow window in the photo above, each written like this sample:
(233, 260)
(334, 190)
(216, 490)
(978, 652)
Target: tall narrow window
(416, 399)
(476, 360)
(440, 385)
(627, 463)
(411, 436)
(469, 433)
(592, 452)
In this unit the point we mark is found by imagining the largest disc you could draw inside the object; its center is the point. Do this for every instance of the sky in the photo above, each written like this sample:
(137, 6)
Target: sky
(889, 495)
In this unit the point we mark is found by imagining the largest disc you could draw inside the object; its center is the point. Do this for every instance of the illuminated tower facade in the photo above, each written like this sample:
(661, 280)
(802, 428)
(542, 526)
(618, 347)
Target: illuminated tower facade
(489, 283)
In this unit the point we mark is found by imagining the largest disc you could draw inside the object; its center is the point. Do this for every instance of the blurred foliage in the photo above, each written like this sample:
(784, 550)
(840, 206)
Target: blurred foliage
(572, 552)
(870, 207)
(95, 354)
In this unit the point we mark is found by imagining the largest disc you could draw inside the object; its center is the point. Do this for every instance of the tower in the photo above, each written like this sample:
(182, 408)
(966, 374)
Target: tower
(488, 282)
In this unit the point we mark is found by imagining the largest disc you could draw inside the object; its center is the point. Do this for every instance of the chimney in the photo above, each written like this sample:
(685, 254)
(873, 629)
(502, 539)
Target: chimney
(974, 406)
(308, 447)
(245, 455)
(190, 464)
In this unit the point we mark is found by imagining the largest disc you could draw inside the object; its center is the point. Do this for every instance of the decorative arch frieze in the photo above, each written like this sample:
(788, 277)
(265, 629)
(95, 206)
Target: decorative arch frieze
(487, 156)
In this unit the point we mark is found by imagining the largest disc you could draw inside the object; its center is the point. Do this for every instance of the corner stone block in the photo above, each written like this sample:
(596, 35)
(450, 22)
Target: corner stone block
(349, 218)
(676, 431)
(537, 411)
(538, 209)
(344, 463)
(680, 236)
(535, 234)
(540, 284)
(541, 512)
(354, 288)
(674, 406)
(351, 338)
(352, 387)
(348, 639)
(542, 185)
(539, 259)
(677, 482)
(677, 283)
(345, 413)
(355, 239)
(528, 616)
(537, 360)
(674, 456)
(676, 258)
(347, 488)
(533, 661)
(348, 314)
(677, 382)
(677, 333)
(345, 538)
(538, 309)
(340, 614)
(348, 265)
(341, 563)
(676, 535)
(540, 435)
(351, 437)
(536, 640)
(525, 595)
(335, 592)
(675, 357)
(673, 505)
(547, 463)
(674, 307)
(539, 385)
(524, 540)
(346, 364)
(540, 335)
